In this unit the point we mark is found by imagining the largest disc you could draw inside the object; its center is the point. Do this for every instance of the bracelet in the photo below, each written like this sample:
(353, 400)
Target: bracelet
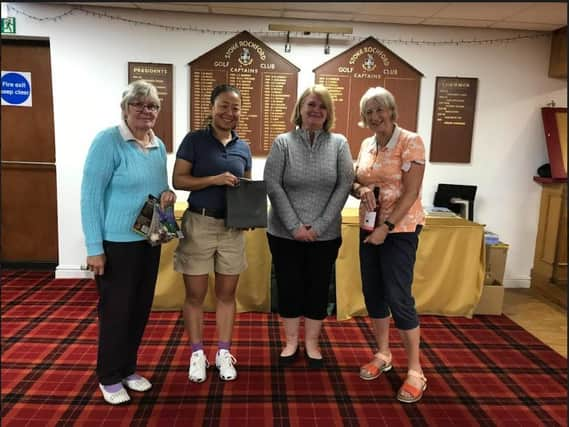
(389, 224)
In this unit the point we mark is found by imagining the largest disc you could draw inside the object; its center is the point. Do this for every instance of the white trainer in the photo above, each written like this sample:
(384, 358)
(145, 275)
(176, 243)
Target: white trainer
(198, 366)
(116, 397)
(224, 361)
(137, 383)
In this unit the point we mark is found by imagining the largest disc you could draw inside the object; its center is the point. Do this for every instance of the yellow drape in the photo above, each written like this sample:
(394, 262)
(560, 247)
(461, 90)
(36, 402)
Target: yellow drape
(448, 276)
(253, 290)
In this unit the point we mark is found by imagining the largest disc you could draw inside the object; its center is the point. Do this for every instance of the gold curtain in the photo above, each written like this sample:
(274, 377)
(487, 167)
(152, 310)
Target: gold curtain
(253, 290)
(448, 276)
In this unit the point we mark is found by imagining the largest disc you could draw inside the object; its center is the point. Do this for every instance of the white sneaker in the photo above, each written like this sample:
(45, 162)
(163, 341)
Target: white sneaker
(198, 366)
(224, 361)
(115, 398)
(137, 383)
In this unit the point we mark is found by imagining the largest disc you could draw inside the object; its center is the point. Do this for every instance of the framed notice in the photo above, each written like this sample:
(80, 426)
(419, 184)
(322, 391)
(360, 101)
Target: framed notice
(453, 119)
(160, 75)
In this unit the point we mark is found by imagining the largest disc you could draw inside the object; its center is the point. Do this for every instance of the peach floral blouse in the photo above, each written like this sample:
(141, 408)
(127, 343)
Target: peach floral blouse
(385, 169)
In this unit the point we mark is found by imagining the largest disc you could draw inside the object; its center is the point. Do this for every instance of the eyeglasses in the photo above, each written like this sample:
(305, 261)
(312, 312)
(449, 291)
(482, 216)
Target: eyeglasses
(140, 106)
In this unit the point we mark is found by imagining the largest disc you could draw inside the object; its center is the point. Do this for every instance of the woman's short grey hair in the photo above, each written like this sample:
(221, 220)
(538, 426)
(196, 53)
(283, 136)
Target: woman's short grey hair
(383, 97)
(138, 89)
(325, 97)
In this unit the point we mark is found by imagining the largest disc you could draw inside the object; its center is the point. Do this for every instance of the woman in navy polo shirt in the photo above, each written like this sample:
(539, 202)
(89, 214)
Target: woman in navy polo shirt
(208, 160)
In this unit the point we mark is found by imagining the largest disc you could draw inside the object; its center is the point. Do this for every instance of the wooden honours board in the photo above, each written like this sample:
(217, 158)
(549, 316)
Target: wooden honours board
(368, 64)
(453, 119)
(160, 75)
(268, 85)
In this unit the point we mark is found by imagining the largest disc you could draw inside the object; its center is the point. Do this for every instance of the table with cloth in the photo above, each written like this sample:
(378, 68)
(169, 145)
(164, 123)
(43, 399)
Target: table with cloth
(449, 270)
(448, 276)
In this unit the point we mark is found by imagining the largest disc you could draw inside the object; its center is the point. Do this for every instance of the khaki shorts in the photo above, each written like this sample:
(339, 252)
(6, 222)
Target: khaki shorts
(209, 246)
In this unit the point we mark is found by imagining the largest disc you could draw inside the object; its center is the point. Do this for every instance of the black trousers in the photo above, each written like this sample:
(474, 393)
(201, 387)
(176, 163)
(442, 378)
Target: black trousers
(303, 271)
(387, 277)
(126, 291)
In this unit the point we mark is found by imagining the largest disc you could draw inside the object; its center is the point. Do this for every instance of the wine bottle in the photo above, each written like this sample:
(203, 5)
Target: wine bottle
(371, 217)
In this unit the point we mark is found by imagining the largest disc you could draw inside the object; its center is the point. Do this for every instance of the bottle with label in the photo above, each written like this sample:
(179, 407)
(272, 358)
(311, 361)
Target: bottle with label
(371, 217)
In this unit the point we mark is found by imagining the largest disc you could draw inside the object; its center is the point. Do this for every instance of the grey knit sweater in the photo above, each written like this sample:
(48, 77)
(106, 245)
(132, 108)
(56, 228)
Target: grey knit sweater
(308, 184)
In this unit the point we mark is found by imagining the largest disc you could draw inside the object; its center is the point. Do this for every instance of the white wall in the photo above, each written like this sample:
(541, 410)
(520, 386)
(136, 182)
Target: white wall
(89, 64)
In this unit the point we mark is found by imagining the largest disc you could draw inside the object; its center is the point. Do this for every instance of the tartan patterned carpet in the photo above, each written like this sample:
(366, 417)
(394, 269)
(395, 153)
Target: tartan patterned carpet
(483, 371)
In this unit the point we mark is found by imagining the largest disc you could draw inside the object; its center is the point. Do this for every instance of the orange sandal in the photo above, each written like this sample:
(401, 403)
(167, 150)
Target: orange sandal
(370, 371)
(415, 393)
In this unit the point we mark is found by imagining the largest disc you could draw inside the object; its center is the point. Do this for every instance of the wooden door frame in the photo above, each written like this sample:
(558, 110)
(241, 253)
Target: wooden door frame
(15, 40)
(40, 41)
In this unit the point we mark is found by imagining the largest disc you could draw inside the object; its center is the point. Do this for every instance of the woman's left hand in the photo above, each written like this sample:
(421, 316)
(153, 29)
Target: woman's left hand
(377, 236)
(305, 234)
(368, 199)
(167, 198)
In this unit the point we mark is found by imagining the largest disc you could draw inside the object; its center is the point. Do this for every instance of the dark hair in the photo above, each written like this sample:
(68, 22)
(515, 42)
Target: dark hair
(219, 89)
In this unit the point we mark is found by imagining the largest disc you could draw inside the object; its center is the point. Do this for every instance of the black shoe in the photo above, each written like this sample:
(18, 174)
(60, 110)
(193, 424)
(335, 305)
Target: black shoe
(288, 360)
(313, 363)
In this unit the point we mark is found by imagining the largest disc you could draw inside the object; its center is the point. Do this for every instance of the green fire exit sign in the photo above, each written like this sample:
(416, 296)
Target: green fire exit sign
(9, 25)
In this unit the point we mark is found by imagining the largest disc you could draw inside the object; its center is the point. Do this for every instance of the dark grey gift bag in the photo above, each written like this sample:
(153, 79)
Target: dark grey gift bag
(246, 204)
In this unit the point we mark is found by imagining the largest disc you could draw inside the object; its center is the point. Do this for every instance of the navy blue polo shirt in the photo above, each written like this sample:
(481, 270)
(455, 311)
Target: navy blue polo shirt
(210, 157)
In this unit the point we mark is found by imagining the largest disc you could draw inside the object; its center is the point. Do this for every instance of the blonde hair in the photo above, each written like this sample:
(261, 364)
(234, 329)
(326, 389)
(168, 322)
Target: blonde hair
(383, 97)
(324, 95)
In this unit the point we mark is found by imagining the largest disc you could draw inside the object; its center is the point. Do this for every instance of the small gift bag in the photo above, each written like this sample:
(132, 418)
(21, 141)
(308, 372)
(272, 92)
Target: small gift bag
(154, 223)
(246, 204)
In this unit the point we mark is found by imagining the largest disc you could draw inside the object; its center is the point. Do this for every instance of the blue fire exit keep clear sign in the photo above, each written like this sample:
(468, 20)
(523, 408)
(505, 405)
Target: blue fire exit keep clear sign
(16, 88)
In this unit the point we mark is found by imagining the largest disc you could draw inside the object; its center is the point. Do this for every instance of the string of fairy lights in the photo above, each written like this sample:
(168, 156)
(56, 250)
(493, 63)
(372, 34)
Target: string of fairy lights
(104, 14)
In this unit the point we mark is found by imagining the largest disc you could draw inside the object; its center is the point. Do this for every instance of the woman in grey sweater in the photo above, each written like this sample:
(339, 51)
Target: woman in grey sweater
(309, 173)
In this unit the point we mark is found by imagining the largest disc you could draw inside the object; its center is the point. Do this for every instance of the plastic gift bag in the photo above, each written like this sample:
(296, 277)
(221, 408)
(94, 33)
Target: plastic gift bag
(157, 225)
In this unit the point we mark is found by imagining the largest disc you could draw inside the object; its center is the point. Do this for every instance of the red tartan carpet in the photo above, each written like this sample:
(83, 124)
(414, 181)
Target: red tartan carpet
(483, 371)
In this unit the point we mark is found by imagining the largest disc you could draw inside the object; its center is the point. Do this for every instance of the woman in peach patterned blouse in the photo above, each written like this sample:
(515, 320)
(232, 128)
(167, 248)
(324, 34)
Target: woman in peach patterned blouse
(393, 159)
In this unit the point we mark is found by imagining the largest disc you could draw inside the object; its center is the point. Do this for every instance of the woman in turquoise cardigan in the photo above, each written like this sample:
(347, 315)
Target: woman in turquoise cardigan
(124, 165)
